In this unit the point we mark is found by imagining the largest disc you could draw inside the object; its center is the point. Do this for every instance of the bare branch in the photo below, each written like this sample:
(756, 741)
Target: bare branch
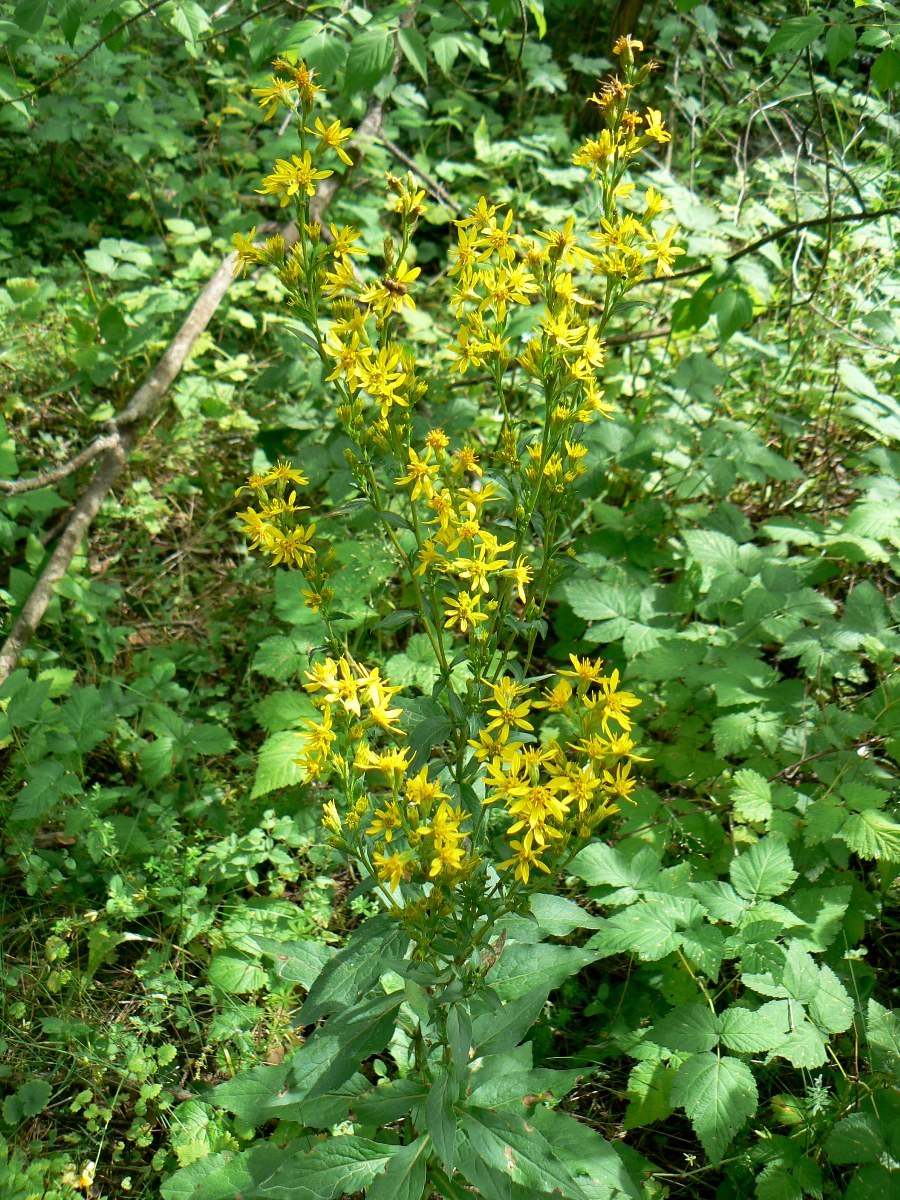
(142, 405)
(15, 487)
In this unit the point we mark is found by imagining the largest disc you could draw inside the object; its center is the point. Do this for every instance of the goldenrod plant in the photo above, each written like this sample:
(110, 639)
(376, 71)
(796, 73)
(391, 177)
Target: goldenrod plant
(460, 822)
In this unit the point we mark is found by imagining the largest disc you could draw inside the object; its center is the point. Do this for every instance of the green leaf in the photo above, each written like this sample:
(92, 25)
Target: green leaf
(376, 946)
(795, 34)
(389, 1102)
(370, 58)
(719, 1096)
(831, 1008)
(871, 834)
(440, 1118)
(235, 974)
(690, 1028)
(404, 1178)
(511, 1087)
(885, 71)
(558, 916)
(704, 945)
(47, 783)
(733, 309)
(27, 1101)
(840, 42)
(747, 1032)
(523, 968)
(649, 1093)
(856, 1139)
(298, 961)
(70, 13)
(883, 1031)
(412, 43)
(505, 1027)
(766, 870)
(601, 864)
(510, 1145)
(645, 929)
(800, 1042)
(752, 796)
(30, 14)
(276, 766)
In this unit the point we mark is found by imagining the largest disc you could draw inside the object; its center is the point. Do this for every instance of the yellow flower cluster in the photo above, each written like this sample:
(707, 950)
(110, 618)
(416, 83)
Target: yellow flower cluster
(404, 828)
(275, 529)
(555, 792)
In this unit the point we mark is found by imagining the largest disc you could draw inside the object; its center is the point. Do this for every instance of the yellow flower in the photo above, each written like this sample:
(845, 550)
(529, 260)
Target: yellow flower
(283, 472)
(463, 612)
(279, 91)
(507, 713)
(664, 252)
(420, 473)
(620, 783)
(614, 704)
(585, 671)
(247, 253)
(654, 128)
(489, 744)
(390, 294)
(386, 820)
(292, 178)
(332, 137)
(391, 868)
(524, 858)
(556, 698)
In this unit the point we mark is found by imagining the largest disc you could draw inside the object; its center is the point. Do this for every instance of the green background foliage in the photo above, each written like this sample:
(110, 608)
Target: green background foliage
(713, 994)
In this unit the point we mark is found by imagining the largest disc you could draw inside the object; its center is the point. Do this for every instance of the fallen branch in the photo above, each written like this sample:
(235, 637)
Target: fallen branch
(15, 487)
(794, 227)
(112, 458)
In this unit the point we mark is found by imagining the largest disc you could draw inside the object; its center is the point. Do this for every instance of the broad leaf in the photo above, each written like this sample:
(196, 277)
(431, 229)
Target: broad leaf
(511, 1145)
(766, 870)
(719, 1096)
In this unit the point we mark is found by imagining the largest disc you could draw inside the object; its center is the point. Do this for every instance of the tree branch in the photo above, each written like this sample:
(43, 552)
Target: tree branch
(145, 401)
(794, 227)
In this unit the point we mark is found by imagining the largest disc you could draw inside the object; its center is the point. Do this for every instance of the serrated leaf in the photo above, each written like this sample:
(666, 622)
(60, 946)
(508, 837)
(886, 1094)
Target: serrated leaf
(831, 1008)
(800, 1042)
(276, 765)
(747, 1032)
(404, 1177)
(871, 834)
(412, 43)
(883, 1031)
(704, 946)
(522, 968)
(235, 974)
(370, 58)
(856, 1139)
(298, 961)
(649, 1093)
(376, 946)
(690, 1028)
(766, 870)
(795, 34)
(751, 794)
(599, 864)
(641, 928)
(512, 1146)
(719, 1096)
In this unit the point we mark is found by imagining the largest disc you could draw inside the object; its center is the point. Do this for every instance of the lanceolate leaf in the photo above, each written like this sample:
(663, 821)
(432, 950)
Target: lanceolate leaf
(375, 947)
(404, 1178)
(512, 1146)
